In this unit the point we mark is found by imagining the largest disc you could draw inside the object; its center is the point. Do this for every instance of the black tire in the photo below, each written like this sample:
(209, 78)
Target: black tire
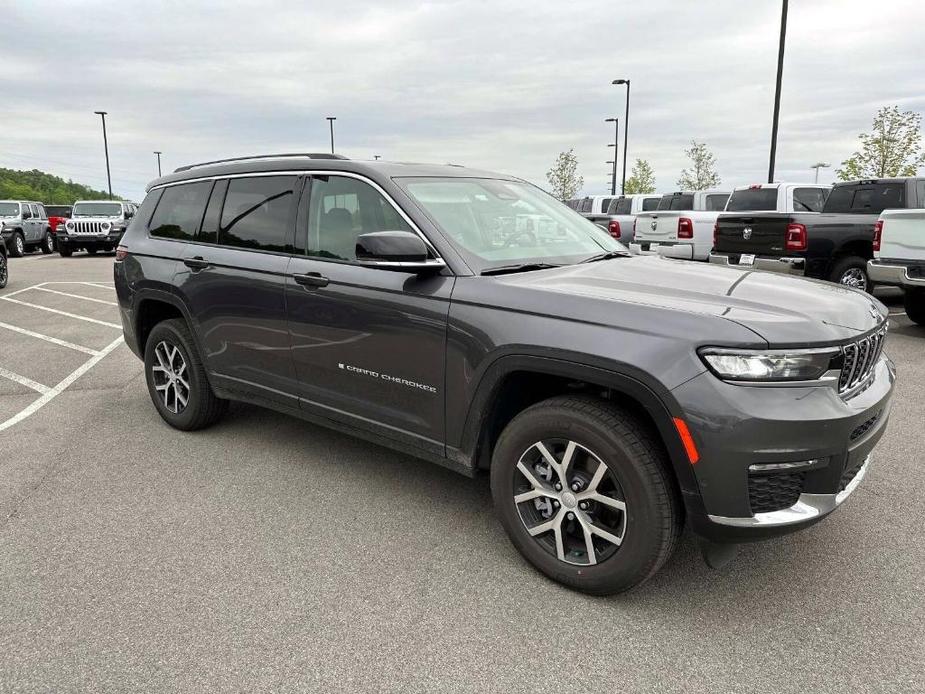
(653, 513)
(851, 271)
(202, 407)
(914, 302)
(65, 252)
(92, 251)
(4, 270)
(48, 243)
(17, 245)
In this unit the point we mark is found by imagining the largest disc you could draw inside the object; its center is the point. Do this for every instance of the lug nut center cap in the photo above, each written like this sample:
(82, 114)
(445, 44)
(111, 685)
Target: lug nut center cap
(569, 500)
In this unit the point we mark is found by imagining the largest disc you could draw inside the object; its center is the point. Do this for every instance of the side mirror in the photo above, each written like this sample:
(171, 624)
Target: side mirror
(129, 214)
(396, 250)
(26, 214)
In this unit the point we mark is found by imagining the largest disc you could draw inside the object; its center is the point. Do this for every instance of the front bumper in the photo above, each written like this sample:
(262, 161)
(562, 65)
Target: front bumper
(896, 275)
(62, 238)
(787, 266)
(743, 431)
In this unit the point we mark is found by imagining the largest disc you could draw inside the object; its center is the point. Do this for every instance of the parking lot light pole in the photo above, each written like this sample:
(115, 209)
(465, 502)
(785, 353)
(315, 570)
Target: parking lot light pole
(102, 114)
(780, 75)
(626, 131)
(331, 120)
(817, 166)
(158, 164)
(616, 140)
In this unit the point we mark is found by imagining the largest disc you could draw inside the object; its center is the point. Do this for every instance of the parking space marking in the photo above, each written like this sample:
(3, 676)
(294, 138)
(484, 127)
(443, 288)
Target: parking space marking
(54, 392)
(76, 296)
(23, 381)
(62, 313)
(49, 338)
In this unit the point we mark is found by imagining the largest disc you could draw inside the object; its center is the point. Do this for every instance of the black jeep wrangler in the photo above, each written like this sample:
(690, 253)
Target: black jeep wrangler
(468, 318)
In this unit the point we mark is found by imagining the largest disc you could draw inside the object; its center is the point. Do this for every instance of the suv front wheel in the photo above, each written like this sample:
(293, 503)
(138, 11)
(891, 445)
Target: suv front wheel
(176, 378)
(583, 491)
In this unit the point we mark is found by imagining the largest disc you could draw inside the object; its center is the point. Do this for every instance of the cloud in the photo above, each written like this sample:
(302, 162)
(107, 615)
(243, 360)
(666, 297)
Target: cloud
(497, 85)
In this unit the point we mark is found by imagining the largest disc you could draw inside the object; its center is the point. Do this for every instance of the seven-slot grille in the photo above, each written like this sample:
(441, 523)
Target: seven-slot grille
(89, 227)
(859, 359)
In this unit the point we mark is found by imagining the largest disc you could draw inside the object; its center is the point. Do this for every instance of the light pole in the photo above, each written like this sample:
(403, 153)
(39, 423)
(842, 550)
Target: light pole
(158, 164)
(817, 166)
(331, 120)
(626, 131)
(780, 75)
(102, 114)
(616, 140)
(613, 177)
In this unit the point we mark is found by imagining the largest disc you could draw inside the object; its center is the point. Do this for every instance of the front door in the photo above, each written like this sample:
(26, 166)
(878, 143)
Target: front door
(368, 344)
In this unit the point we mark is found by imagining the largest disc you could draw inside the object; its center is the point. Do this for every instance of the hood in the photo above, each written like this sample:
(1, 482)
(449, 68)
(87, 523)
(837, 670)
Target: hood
(782, 310)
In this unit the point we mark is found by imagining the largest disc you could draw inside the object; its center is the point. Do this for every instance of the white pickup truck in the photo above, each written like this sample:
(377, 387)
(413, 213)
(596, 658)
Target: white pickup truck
(899, 256)
(620, 216)
(681, 227)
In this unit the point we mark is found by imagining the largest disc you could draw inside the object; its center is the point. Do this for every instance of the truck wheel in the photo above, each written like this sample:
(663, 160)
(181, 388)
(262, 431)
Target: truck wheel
(583, 491)
(18, 247)
(48, 243)
(65, 252)
(177, 380)
(4, 271)
(914, 301)
(852, 272)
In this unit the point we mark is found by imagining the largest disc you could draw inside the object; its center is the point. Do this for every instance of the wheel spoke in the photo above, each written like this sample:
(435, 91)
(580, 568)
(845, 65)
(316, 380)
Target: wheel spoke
(596, 479)
(599, 531)
(534, 481)
(589, 540)
(533, 494)
(546, 526)
(607, 501)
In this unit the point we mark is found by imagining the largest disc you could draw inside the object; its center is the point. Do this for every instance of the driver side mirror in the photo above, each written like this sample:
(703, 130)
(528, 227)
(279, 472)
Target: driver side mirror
(403, 251)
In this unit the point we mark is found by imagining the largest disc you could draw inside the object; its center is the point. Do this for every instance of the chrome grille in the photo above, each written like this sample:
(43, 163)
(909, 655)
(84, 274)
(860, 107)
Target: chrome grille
(859, 359)
(88, 228)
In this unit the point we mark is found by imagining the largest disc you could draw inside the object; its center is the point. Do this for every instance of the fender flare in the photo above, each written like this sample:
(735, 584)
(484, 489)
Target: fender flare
(166, 297)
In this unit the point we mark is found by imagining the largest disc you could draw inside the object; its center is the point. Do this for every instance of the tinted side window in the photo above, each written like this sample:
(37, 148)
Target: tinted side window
(340, 210)
(147, 207)
(808, 199)
(605, 204)
(650, 204)
(866, 198)
(209, 231)
(179, 211)
(258, 213)
(585, 205)
(716, 203)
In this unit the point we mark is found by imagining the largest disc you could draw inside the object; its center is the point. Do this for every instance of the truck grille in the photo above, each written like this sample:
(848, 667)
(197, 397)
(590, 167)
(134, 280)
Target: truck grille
(775, 491)
(88, 228)
(859, 359)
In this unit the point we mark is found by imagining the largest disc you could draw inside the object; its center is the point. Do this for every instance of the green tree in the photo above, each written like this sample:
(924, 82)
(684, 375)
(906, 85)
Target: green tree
(642, 179)
(563, 177)
(894, 148)
(42, 187)
(702, 174)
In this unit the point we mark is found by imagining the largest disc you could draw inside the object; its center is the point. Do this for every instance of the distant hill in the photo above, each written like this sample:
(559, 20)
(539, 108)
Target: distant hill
(42, 187)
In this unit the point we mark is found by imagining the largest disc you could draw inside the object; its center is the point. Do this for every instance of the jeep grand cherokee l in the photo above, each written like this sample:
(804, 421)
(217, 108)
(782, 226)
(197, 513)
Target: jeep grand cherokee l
(611, 398)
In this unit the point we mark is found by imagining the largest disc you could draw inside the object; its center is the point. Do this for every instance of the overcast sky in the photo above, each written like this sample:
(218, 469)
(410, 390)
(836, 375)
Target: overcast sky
(498, 85)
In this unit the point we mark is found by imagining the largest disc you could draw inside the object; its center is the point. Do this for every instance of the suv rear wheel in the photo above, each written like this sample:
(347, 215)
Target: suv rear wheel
(48, 243)
(177, 380)
(18, 246)
(914, 303)
(583, 491)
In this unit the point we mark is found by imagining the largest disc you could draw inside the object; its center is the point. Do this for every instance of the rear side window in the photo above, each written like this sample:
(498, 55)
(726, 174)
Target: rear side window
(621, 206)
(650, 204)
(676, 202)
(866, 198)
(258, 213)
(808, 199)
(210, 222)
(753, 200)
(717, 203)
(605, 203)
(179, 211)
(58, 210)
(585, 205)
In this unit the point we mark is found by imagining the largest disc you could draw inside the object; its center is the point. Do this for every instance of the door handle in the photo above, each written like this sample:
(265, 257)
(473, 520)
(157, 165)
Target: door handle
(196, 263)
(311, 279)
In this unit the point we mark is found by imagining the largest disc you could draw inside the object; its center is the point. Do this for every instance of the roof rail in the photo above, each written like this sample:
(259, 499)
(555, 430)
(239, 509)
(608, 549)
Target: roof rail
(308, 155)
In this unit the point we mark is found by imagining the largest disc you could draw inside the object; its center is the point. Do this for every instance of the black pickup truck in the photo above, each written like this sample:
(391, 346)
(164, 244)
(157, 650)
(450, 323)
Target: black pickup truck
(833, 245)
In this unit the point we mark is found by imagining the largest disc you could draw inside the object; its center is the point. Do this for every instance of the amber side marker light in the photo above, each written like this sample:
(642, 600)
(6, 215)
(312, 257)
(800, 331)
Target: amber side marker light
(689, 446)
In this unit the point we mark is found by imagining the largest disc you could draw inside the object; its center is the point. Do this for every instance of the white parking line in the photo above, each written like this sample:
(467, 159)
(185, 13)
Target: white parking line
(54, 392)
(76, 296)
(62, 313)
(48, 338)
(23, 381)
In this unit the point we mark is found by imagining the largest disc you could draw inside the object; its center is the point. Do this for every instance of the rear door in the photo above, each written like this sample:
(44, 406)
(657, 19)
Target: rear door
(35, 225)
(233, 278)
(368, 344)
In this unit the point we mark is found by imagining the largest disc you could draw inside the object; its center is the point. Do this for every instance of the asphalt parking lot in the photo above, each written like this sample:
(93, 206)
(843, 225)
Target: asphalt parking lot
(267, 554)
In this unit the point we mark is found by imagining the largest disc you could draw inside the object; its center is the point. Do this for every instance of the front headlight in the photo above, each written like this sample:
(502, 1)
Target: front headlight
(69, 226)
(746, 365)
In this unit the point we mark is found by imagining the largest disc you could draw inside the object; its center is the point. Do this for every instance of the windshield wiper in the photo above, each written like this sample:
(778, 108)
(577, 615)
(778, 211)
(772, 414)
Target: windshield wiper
(606, 256)
(522, 267)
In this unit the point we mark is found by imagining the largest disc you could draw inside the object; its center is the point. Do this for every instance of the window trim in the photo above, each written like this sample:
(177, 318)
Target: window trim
(308, 174)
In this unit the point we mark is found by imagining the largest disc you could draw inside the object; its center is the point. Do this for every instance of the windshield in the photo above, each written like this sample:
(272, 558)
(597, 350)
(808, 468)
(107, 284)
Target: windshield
(677, 201)
(865, 198)
(58, 210)
(499, 223)
(9, 209)
(97, 209)
(621, 206)
(753, 200)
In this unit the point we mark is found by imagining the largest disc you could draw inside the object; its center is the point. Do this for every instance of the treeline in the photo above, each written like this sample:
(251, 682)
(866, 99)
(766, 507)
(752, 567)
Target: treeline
(42, 187)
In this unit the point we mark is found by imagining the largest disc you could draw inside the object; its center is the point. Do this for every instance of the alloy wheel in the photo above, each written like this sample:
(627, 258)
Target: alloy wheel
(570, 502)
(4, 270)
(854, 277)
(49, 243)
(20, 245)
(170, 376)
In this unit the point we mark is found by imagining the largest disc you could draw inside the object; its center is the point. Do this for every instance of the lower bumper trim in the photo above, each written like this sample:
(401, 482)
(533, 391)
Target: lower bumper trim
(788, 266)
(807, 507)
(897, 275)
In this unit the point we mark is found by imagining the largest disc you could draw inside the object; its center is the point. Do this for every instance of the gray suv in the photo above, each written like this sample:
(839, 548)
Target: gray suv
(468, 318)
(24, 227)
